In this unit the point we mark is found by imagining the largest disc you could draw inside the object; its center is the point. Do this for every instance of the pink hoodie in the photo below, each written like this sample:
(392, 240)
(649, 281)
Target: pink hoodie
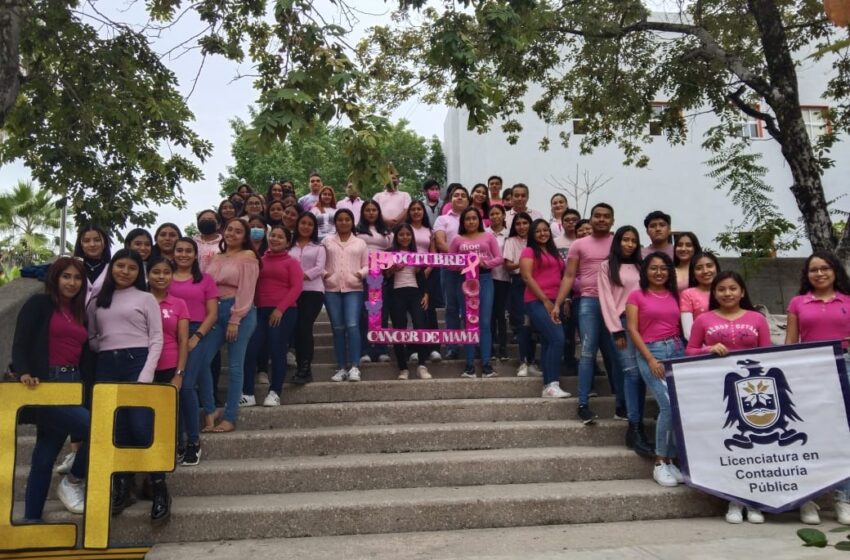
(343, 261)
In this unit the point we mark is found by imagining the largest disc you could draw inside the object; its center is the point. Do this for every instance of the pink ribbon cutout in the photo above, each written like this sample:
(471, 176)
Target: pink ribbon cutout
(471, 265)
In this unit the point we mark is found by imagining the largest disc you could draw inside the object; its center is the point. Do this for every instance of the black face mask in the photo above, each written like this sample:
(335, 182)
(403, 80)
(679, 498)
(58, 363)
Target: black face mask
(207, 227)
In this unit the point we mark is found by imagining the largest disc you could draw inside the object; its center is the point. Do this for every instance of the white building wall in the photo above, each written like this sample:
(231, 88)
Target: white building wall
(675, 180)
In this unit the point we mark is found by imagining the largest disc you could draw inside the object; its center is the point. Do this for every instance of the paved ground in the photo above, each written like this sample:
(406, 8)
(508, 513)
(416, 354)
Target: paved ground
(697, 539)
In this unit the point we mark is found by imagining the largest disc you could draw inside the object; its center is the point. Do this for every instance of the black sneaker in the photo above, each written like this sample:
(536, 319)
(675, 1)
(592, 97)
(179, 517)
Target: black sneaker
(192, 456)
(181, 452)
(621, 414)
(468, 372)
(487, 371)
(586, 415)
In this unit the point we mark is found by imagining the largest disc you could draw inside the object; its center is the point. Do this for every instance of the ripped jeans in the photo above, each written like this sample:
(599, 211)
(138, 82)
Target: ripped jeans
(595, 336)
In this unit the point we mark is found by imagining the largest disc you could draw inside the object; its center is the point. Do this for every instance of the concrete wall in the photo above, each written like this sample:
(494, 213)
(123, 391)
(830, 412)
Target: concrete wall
(12, 297)
(771, 282)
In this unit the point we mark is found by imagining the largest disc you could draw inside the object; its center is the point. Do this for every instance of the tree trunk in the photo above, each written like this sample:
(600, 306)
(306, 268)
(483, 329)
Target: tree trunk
(796, 146)
(10, 37)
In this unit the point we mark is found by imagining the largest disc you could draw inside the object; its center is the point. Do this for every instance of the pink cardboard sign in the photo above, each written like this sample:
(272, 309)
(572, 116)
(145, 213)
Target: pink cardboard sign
(467, 263)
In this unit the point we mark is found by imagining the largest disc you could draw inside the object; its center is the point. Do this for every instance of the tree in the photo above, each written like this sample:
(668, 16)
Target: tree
(29, 221)
(436, 162)
(322, 149)
(605, 61)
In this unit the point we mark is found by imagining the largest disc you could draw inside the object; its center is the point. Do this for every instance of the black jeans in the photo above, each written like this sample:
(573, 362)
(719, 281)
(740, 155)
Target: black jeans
(501, 289)
(404, 302)
(309, 306)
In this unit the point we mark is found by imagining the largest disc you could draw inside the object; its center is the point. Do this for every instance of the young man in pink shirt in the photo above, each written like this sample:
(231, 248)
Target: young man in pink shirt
(657, 225)
(311, 198)
(352, 201)
(519, 203)
(584, 259)
(393, 203)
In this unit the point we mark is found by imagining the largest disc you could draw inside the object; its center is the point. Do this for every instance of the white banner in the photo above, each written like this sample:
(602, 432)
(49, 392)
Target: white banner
(769, 428)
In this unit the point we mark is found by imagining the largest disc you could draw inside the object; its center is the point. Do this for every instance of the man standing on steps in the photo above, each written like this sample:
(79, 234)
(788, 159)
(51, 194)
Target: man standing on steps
(393, 203)
(311, 198)
(519, 203)
(657, 226)
(583, 261)
(494, 185)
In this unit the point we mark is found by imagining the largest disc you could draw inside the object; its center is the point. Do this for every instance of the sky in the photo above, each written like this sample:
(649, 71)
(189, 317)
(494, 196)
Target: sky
(221, 95)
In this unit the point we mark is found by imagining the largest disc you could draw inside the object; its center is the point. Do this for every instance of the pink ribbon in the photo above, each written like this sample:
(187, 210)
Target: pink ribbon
(471, 265)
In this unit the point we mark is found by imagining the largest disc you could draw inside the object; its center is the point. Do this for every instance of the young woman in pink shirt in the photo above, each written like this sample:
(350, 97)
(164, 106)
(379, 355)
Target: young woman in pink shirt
(472, 238)
(278, 286)
(558, 205)
(417, 217)
(310, 254)
(479, 199)
(730, 324)
(375, 233)
(541, 268)
(208, 238)
(324, 211)
(346, 264)
(652, 316)
(685, 248)
(821, 311)
(515, 243)
(165, 236)
(693, 302)
(501, 283)
(235, 271)
(618, 277)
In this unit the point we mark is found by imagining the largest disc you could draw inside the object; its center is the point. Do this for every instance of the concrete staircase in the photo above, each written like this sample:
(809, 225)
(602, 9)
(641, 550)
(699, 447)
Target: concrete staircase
(387, 456)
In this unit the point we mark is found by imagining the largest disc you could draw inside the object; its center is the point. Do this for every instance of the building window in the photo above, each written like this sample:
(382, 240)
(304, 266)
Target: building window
(655, 127)
(750, 127)
(579, 126)
(816, 119)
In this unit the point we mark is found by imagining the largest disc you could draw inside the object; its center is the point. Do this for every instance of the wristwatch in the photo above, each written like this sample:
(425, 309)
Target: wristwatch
(179, 372)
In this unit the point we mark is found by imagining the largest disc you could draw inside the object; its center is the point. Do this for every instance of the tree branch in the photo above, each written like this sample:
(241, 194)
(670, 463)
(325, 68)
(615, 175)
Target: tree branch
(769, 121)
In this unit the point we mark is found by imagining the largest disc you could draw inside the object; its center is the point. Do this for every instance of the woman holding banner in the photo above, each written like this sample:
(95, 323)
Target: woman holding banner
(652, 317)
(730, 324)
(822, 312)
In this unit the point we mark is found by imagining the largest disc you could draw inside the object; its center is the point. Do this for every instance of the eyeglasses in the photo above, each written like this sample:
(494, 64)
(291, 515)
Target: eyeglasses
(820, 270)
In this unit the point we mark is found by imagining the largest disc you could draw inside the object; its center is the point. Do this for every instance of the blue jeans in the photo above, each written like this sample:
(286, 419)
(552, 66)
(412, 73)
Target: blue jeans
(277, 340)
(454, 298)
(667, 349)
(552, 335)
(235, 353)
(516, 312)
(594, 337)
(485, 317)
(568, 325)
(53, 426)
(633, 386)
(133, 425)
(344, 314)
(196, 379)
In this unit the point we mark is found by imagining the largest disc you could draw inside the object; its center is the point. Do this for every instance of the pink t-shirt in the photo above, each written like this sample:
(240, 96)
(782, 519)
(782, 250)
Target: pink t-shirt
(658, 314)
(422, 236)
(393, 204)
(195, 295)
(547, 272)
(822, 320)
(484, 245)
(590, 252)
(747, 331)
(514, 247)
(376, 241)
(67, 338)
(694, 301)
(449, 224)
(172, 310)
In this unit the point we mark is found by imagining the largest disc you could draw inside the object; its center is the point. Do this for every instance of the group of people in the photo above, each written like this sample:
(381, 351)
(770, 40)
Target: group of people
(261, 268)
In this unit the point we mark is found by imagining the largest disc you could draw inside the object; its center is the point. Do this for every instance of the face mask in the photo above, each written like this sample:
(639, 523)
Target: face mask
(257, 234)
(433, 196)
(207, 227)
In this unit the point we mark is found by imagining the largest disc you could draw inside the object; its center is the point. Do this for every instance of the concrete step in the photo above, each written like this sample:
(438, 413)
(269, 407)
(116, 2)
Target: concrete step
(342, 440)
(339, 473)
(215, 518)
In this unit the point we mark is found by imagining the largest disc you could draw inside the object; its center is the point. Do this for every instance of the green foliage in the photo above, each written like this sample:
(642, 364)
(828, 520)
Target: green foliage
(8, 273)
(818, 539)
(361, 153)
(29, 225)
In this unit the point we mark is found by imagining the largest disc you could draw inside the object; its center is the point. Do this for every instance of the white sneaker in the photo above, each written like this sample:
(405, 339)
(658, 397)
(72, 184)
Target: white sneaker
(435, 356)
(384, 358)
(755, 516)
(404, 374)
(72, 496)
(677, 474)
(290, 359)
(272, 399)
(340, 375)
(842, 512)
(522, 371)
(67, 463)
(662, 475)
(534, 370)
(809, 513)
(414, 357)
(247, 400)
(735, 513)
(354, 374)
(554, 391)
(365, 359)
(423, 373)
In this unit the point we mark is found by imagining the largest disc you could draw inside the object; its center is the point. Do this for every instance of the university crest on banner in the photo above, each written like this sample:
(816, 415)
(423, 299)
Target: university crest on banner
(769, 428)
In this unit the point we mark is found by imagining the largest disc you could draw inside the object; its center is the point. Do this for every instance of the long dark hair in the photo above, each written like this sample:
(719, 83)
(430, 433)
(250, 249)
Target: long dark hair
(138, 232)
(426, 221)
(548, 247)
(725, 275)
(485, 207)
(395, 247)
(842, 282)
(246, 240)
(694, 240)
(616, 258)
(269, 211)
(51, 286)
(380, 225)
(692, 279)
(153, 261)
(155, 252)
(197, 275)
(520, 215)
(461, 228)
(244, 210)
(671, 272)
(289, 235)
(314, 238)
(107, 242)
(221, 219)
(104, 297)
